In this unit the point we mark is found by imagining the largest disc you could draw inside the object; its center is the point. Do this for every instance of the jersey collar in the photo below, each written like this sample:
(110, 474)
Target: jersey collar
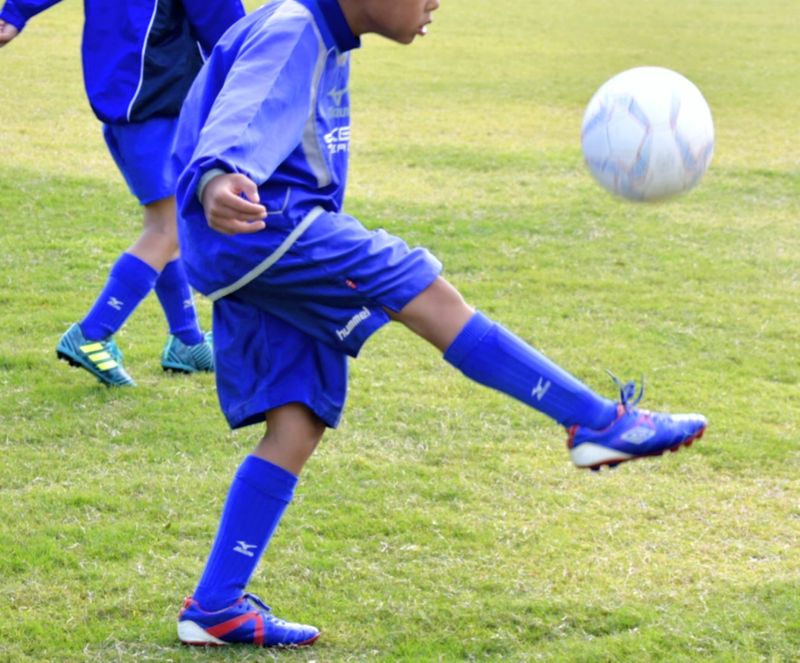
(333, 23)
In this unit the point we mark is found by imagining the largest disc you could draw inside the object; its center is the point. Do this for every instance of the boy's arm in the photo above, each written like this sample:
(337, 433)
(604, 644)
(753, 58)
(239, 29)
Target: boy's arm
(211, 18)
(259, 116)
(16, 13)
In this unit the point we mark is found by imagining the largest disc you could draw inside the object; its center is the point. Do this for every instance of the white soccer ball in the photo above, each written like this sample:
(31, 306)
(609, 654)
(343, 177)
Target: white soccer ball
(647, 134)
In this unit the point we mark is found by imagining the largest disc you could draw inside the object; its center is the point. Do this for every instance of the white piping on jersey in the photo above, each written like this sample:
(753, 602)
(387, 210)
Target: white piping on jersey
(141, 64)
(272, 258)
(310, 143)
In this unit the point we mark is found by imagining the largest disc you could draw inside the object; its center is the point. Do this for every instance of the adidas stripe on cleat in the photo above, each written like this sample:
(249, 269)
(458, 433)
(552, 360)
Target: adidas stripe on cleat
(633, 434)
(248, 621)
(102, 359)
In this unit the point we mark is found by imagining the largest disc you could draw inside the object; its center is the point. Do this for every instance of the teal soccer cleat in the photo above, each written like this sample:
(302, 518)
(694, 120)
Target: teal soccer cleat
(248, 621)
(182, 358)
(633, 434)
(102, 359)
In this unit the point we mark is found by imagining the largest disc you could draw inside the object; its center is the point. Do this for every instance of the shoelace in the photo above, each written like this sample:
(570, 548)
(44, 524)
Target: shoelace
(627, 392)
(254, 599)
(263, 606)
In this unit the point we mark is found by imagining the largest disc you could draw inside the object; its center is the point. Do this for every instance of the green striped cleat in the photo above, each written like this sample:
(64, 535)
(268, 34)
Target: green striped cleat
(101, 358)
(182, 358)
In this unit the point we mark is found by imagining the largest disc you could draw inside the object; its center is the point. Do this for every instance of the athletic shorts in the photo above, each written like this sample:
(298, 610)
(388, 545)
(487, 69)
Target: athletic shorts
(142, 152)
(286, 336)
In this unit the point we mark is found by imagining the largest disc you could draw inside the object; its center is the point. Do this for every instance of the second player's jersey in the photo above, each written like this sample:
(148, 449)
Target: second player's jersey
(140, 56)
(270, 103)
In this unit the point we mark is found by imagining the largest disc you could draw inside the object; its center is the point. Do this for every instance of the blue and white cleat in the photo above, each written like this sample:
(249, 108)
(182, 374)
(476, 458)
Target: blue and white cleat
(182, 358)
(102, 359)
(633, 434)
(248, 621)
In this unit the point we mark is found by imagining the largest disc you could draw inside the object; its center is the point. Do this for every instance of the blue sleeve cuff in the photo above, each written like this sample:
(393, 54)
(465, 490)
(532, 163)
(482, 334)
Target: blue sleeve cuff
(11, 14)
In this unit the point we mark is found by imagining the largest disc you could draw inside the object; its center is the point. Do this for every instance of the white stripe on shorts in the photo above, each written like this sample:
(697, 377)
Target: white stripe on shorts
(272, 258)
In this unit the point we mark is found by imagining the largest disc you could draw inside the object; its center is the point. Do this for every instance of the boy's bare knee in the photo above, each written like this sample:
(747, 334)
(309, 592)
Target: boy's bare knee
(437, 314)
(293, 433)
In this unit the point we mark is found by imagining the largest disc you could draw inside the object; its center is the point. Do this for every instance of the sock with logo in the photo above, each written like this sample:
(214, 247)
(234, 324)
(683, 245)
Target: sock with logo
(258, 496)
(172, 288)
(491, 355)
(129, 282)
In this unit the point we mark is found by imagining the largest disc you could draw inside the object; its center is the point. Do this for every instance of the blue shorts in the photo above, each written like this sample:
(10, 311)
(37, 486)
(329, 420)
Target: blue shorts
(142, 152)
(286, 336)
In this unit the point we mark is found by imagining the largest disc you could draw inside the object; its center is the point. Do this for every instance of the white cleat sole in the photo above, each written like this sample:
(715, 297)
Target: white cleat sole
(190, 633)
(594, 455)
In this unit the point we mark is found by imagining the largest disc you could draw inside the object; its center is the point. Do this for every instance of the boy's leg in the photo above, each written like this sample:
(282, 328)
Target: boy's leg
(187, 349)
(491, 355)
(142, 151)
(220, 612)
(135, 273)
(601, 431)
(149, 263)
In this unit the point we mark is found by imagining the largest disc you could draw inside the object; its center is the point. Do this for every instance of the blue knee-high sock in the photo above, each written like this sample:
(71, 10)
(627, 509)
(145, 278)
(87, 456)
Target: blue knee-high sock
(489, 354)
(176, 299)
(129, 282)
(258, 496)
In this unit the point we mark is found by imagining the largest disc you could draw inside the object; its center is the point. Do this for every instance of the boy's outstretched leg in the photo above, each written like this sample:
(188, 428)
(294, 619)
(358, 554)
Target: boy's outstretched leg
(220, 612)
(601, 432)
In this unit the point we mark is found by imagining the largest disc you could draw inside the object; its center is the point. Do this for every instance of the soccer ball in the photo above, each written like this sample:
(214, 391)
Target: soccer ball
(647, 134)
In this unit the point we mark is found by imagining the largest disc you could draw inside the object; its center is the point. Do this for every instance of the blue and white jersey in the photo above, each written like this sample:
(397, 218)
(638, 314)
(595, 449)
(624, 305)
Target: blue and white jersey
(271, 103)
(140, 56)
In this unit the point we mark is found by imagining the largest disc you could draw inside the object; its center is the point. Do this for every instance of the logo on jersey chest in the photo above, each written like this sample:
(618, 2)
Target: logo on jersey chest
(338, 139)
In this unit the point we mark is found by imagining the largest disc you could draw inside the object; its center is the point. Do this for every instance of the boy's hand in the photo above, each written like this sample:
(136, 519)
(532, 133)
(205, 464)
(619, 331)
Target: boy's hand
(7, 32)
(231, 205)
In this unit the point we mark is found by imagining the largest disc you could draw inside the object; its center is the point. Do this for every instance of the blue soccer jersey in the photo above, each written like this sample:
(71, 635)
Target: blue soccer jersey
(270, 103)
(294, 299)
(140, 56)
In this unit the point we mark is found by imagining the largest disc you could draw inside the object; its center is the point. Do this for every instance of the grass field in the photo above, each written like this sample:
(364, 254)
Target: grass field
(440, 522)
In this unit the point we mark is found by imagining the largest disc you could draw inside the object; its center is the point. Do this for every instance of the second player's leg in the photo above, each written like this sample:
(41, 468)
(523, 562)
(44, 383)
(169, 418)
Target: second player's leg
(158, 243)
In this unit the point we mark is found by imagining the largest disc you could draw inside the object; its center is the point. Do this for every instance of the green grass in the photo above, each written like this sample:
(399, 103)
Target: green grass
(440, 522)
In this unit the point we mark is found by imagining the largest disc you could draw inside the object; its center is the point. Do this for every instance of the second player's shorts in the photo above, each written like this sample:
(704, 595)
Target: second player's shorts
(142, 152)
(285, 336)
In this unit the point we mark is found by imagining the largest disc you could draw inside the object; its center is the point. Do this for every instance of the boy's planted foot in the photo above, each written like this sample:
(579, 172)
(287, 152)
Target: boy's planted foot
(182, 358)
(102, 359)
(633, 434)
(248, 621)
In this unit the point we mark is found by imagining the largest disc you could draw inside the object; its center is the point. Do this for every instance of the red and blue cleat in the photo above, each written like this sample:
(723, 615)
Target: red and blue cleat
(633, 434)
(248, 621)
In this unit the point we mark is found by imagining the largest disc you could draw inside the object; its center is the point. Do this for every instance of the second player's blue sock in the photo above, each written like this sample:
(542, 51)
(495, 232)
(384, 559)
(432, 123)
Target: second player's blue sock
(489, 354)
(176, 299)
(129, 282)
(258, 496)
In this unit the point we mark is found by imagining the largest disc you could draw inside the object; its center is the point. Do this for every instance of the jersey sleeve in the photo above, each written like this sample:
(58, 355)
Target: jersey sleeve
(211, 18)
(260, 114)
(18, 12)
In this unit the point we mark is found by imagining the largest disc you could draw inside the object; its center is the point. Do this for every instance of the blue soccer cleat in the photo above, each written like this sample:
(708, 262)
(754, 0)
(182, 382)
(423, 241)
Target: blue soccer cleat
(102, 359)
(633, 434)
(182, 358)
(248, 621)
